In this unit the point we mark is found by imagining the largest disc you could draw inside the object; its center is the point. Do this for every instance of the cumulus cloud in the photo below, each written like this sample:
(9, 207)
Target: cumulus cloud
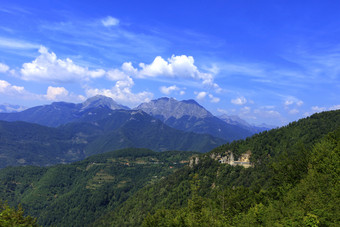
(110, 21)
(8, 89)
(201, 95)
(176, 67)
(239, 101)
(3, 68)
(122, 90)
(54, 93)
(47, 67)
(61, 94)
(168, 90)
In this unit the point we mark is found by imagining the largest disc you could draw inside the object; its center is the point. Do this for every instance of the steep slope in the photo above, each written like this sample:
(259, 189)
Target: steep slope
(294, 180)
(165, 108)
(143, 131)
(102, 101)
(59, 113)
(235, 120)
(188, 115)
(76, 194)
(98, 130)
(23, 143)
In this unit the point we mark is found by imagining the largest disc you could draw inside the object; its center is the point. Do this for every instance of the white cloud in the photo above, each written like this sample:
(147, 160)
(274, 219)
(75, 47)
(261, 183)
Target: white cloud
(47, 67)
(116, 74)
(299, 103)
(213, 99)
(56, 93)
(122, 90)
(318, 109)
(290, 100)
(61, 94)
(3, 68)
(110, 21)
(182, 92)
(201, 95)
(335, 107)
(239, 101)
(8, 89)
(16, 44)
(122, 95)
(52, 94)
(176, 67)
(167, 90)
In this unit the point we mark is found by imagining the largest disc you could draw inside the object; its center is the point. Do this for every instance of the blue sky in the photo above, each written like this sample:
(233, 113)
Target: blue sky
(265, 61)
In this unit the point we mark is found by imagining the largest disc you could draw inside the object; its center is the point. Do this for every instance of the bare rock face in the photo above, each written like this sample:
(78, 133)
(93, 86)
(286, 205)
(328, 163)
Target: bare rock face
(102, 101)
(228, 158)
(169, 107)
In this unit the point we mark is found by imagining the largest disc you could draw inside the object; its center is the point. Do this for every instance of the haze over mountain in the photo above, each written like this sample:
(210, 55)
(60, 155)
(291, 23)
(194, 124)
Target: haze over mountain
(95, 130)
(8, 108)
(59, 113)
(236, 120)
(292, 179)
(188, 115)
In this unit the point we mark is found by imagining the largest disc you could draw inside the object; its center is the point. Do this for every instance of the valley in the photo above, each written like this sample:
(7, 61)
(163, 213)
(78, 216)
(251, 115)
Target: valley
(233, 184)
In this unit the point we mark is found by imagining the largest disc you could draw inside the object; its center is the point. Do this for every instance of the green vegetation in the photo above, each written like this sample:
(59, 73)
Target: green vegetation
(79, 193)
(12, 217)
(105, 130)
(294, 182)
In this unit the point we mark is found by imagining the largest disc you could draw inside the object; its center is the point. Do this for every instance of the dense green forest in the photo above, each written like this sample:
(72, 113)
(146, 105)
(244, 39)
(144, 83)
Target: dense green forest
(76, 194)
(15, 217)
(99, 130)
(293, 181)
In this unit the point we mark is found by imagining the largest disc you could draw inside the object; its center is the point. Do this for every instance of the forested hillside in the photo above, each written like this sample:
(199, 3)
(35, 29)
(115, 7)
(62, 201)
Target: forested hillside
(79, 193)
(99, 130)
(294, 181)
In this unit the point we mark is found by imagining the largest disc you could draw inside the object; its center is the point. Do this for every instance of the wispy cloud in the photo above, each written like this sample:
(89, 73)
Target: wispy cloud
(9, 43)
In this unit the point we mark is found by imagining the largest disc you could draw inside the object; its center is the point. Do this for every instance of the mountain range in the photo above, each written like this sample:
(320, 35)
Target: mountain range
(292, 180)
(65, 132)
(188, 115)
(98, 130)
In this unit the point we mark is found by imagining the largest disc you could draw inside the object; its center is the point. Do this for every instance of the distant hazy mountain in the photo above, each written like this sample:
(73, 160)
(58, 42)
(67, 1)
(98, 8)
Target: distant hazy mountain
(236, 120)
(100, 100)
(8, 108)
(166, 108)
(59, 113)
(188, 115)
(98, 130)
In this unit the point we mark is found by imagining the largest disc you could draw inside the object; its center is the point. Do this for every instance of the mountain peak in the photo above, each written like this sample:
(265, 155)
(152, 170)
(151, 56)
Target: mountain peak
(102, 101)
(170, 107)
